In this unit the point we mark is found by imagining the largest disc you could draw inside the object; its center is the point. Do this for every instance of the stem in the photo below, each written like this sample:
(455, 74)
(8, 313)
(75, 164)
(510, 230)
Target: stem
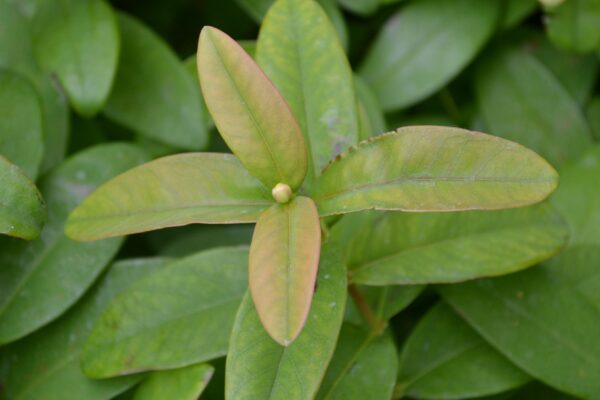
(377, 325)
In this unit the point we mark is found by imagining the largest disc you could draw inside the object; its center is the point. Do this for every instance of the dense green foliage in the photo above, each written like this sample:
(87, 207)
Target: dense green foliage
(373, 243)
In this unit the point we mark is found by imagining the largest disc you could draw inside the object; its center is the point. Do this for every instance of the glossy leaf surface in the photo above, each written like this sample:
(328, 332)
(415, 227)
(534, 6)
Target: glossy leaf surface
(300, 52)
(433, 168)
(521, 100)
(284, 257)
(175, 317)
(46, 364)
(152, 93)
(260, 368)
(444, 358)
(185, 383)
(22, 209)
(171, 191)
(408, 248)
(363, 366)
(249, 112)
(21, 140)
(425, 45)
(39, 280)
(87, 28)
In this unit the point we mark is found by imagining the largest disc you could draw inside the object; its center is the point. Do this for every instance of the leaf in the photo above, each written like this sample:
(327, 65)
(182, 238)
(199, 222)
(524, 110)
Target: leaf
(573, 25)
(369, 105)
(22, 209)
(300, 52)
(185, 383)
(20, 123)
(410, 248)
(259, 368)
(171, 191)
(255, 8)
(175, 317)
(540, 323)
(39, 280)
(431, 168)
(250, 114)
(363, 8)
(516, 11)
(363, 366)
(580, 181)
(152, 93)
(593, 116)
(42, 365)
(385, 301)
(444, 358)
(438, 39)
(87, 29)
(283, 262)
(522, 101)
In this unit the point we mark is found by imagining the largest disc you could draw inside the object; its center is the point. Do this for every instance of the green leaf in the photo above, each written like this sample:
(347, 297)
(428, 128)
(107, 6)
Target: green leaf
(256, 8)
(408, 248)
(540, 322)
(299, 50)
(22, 210)
(364, 366)
(152, 93)
(80, 44)
(521, 100)
(444, 358)
(363, 8)
(20, 123)
(576, 72)
(39, 280)
(578, 198)
(284, 257)
(249, 112)
(171, 191)
(259, 368)
(424, 46)
(573, 25)
(593, 116)
(185, 383)
(175, 317)
(43, 365)
(370, 109)
(516, 11)
(433, 168)
(385, 301)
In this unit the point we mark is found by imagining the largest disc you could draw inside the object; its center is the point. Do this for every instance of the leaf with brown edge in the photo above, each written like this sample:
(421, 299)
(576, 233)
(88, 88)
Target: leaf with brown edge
(171, 191)
(249, 112)
(434, 168)
(283, 263)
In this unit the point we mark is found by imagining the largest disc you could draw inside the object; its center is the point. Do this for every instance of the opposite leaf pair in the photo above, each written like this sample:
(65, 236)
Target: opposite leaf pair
(411, 169)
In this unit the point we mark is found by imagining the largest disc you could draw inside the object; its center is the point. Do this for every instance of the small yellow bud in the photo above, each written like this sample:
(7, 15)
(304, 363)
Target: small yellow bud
(282, 193)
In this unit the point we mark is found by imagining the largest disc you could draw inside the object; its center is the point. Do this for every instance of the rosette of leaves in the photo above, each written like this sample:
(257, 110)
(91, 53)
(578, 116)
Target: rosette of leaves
(279, 178)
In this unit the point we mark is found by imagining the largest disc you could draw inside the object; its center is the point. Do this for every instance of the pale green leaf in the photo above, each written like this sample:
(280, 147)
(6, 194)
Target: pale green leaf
(22, 209)
(171, 191)
(80, 44)
(249, 112)
(260, 368)
(46, 364)
(284, 257)
(185, 383)
(425, 45)
(574, 24)
(433, 168)
(364, 366)
(299, 50)
(21, 140)
(174, 317)
(523, 101)
(152, 93)
(444, 358)
(408, 248)
(40, 279)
